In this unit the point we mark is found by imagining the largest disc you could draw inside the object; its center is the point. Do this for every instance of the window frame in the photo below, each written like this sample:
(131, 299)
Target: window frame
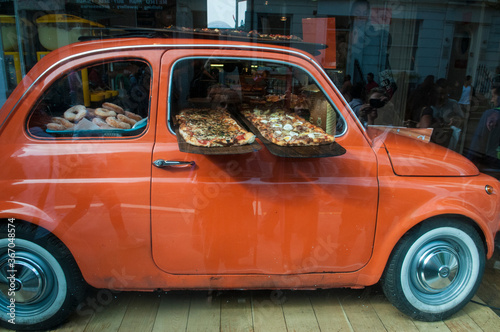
(254, 59)
(63, 74)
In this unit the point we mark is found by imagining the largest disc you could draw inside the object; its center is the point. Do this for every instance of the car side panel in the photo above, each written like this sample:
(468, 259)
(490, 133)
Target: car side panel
(93, 194)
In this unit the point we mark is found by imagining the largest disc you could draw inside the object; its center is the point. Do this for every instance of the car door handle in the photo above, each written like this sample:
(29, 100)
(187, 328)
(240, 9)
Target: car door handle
(160, 163)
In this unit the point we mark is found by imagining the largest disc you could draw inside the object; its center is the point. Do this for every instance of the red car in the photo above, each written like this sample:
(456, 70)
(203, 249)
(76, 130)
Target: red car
(87, 200)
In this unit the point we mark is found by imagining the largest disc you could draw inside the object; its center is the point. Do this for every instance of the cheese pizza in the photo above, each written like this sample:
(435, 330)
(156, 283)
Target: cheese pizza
(287, 129)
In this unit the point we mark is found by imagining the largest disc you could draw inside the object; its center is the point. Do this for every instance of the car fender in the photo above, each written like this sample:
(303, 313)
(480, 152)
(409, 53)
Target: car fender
(396, 226)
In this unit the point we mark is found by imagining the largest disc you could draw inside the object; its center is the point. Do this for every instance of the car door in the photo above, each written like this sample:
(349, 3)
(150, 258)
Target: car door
(256, 212)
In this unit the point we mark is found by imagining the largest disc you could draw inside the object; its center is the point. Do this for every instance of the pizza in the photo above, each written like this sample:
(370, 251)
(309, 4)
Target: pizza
(287, 129)
(212, 128)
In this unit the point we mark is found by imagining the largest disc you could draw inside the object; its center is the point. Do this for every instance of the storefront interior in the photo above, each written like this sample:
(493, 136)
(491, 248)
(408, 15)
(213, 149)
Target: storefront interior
(417, 54)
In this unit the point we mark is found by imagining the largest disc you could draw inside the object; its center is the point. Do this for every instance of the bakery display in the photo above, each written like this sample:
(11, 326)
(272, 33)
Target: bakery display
(286, 129)
(212, 128)
(79, 117)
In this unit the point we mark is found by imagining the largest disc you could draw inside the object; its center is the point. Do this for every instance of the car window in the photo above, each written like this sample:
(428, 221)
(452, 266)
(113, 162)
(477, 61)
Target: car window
(102, 100)
(238, 84)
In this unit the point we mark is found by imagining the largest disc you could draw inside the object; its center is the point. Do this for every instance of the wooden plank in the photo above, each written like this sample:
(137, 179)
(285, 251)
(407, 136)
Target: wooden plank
(204, 314)
(439, 326)
(329, 312)
(173, 312)
(462, 322)
(268, 311)
(392, 318)
(112, 313)
(141, 312)
(75, 323)
(482, 316)
(92, 306)
(238, 149)
(489, 290)
(236, 311)
(359, 311)
(299, 313)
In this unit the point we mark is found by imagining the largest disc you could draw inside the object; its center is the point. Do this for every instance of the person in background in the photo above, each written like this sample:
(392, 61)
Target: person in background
(358, 96)
(368, 112)
(495, 81)
(444, 113)
(371, 83)
(346, 88)
(389, 88)
(419, 99)
(465, 102)
(486, 139)
(466, 96)
(166, 17)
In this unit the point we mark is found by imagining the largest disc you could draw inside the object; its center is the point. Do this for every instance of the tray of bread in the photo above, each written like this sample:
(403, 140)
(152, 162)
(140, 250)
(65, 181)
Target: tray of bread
(108, 120)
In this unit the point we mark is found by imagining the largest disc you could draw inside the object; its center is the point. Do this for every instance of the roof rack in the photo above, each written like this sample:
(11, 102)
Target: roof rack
(208, 34)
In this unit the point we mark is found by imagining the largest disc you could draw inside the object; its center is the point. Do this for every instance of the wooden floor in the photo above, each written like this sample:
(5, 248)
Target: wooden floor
(322, 310)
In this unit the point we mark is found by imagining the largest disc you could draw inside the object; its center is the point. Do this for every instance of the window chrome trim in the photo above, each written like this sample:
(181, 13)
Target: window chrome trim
(134, 59)
(222, 57)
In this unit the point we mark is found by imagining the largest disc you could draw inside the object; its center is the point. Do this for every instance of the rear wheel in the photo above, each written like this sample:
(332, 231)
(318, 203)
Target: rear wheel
(435, 270)
(40, 283)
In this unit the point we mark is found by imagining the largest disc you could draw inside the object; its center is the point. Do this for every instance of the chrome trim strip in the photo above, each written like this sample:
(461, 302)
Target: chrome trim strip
(249, 59)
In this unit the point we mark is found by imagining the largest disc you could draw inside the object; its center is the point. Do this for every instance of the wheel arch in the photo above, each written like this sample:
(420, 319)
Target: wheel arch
(384, 245)
(27, 213)
(457, 217)
(37, 225)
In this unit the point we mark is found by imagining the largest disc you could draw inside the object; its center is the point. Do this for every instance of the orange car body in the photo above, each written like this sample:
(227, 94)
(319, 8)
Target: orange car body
(236, 221)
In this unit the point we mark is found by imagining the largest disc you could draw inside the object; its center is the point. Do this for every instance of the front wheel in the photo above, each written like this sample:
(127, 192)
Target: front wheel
(40, 283)
(435, 270)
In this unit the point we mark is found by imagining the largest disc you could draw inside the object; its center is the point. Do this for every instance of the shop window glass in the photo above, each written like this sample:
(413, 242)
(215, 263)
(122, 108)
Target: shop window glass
(239, 84)
(103, 100)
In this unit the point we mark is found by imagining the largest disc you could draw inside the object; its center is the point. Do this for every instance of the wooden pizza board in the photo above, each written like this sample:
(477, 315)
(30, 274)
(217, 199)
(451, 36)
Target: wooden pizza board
(240, 149)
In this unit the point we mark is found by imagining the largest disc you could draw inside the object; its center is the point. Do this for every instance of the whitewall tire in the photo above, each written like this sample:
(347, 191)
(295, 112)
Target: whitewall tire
(40, 283)
(435, 269)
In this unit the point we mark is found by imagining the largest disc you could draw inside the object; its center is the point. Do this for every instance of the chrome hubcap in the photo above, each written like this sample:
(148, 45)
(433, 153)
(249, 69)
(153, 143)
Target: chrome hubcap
(27, 280)
(34, 279)
(437, 268)
(30, 279)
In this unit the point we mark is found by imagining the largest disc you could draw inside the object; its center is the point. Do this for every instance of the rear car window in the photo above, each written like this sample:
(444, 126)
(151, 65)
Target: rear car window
(102, 100)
